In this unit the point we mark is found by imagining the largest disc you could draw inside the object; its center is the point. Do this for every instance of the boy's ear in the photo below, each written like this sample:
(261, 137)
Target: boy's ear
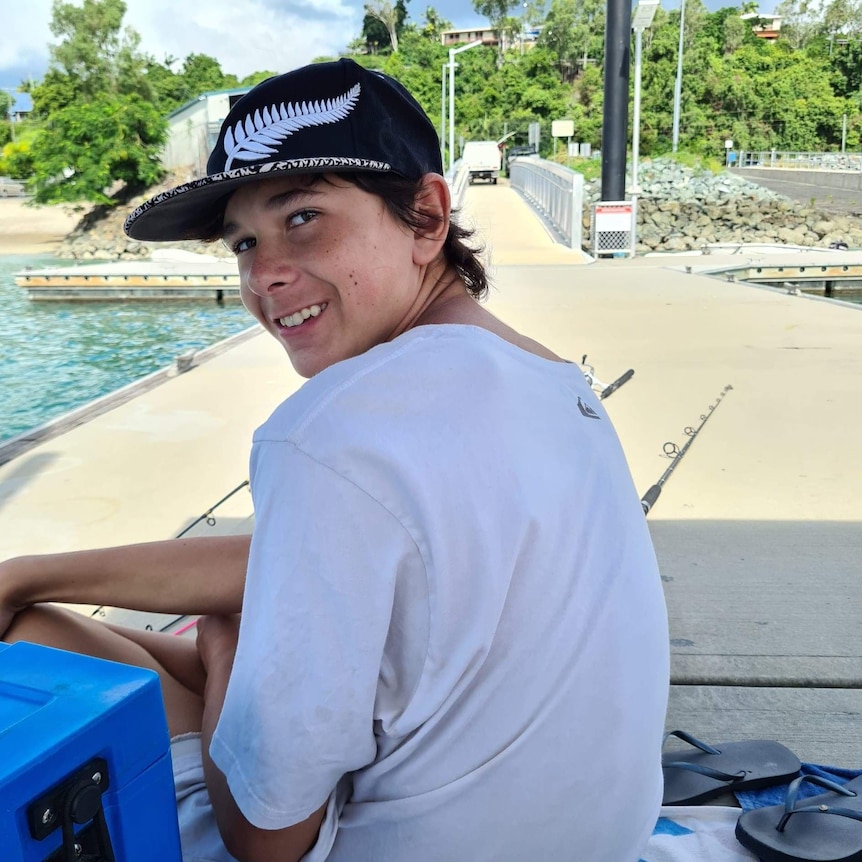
(432, 205)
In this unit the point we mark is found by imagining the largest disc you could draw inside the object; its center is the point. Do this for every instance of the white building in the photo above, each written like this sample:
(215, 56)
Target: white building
(764, 26)
(193, 130)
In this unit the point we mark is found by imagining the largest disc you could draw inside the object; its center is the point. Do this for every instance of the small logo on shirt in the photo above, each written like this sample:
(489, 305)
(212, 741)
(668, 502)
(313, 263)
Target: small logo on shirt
(586, 410)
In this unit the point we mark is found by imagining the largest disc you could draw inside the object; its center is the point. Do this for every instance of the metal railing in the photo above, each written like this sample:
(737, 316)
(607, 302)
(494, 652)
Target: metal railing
(557, 192)
(458, 181)
(787, 160)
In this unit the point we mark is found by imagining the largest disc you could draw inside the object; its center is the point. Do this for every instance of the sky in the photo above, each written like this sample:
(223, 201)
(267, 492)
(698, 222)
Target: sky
(245, 36)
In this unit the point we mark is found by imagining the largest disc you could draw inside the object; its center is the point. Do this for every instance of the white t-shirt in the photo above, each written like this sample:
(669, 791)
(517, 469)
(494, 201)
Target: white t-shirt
(452, 612)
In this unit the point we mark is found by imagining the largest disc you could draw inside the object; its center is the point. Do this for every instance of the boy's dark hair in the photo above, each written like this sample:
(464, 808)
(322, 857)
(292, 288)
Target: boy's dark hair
(399, 195)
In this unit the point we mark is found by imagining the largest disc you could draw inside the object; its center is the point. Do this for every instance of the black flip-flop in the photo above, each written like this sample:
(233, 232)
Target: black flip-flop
(692, 777)
(824, 828)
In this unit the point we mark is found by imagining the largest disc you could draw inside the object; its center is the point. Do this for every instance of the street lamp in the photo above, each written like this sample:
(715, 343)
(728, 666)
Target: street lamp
(677, 90)
(452, 64)
(443, 114)
(522, 27)
(642, 18)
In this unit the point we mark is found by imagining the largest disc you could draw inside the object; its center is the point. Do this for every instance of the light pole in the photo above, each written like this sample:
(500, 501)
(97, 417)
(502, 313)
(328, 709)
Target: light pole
(642, 18)
(443, 114)
(522, 27)
(452, 64)
(677, 90)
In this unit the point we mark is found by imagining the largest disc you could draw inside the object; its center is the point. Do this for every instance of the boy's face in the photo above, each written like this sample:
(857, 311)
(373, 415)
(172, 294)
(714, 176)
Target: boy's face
(324, 267)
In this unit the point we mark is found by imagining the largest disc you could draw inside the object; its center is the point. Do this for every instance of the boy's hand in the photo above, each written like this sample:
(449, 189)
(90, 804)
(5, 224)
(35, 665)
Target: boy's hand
(217, 639)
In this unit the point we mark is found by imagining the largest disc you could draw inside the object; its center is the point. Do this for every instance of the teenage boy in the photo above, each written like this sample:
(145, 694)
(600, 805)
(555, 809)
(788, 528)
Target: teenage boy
(453, 640)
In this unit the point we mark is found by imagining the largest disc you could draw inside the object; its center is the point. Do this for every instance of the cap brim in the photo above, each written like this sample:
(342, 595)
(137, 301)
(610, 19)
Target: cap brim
(186, 211)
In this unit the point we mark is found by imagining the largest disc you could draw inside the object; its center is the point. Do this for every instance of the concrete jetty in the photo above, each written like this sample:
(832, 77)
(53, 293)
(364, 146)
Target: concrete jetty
(758, 531)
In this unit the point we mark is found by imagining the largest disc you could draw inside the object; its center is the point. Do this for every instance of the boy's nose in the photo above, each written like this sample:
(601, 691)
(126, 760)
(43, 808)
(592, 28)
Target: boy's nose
(270, 272)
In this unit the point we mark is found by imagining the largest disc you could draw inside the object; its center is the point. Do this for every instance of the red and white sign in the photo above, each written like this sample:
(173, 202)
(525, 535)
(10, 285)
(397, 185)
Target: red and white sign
(613, 216)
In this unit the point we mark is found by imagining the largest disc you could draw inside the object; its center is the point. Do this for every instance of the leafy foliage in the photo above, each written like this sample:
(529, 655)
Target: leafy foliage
(16, 160)
(95, 55)
(84, 149)
(99, 111)
(383, 24)
(97, 121)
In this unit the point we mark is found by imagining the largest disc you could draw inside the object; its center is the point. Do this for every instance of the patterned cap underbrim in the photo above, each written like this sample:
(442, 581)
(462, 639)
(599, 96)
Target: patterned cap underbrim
(184, 212)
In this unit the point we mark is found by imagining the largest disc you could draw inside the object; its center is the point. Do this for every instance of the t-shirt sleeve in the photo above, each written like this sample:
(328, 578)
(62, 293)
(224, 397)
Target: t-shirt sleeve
(299, 709)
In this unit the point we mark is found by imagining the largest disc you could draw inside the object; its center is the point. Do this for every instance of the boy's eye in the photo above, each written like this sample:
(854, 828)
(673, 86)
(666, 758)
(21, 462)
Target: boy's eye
(302, 217)
(242, 245)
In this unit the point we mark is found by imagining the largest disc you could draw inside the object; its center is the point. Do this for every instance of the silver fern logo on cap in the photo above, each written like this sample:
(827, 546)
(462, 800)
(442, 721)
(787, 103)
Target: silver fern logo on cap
(253, 138)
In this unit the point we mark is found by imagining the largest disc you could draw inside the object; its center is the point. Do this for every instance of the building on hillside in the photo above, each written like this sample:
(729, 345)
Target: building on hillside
(193, 130)
(20, 105)
(450, 38)
(526, 38)
(764, 26)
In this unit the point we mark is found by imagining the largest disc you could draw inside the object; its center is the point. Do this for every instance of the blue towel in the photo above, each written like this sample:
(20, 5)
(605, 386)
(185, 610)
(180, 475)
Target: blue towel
(774, 795)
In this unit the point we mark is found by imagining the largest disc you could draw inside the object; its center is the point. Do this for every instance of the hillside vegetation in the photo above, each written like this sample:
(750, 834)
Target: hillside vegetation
(99, 113)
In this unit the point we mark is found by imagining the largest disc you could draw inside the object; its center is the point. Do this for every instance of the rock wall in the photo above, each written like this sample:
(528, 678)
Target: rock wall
(99, 235)
(682, 209)
(679, 209)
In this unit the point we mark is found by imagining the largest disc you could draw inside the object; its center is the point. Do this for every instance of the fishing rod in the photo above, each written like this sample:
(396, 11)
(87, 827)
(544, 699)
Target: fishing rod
(604, 389)
(676, 454)
(211, 521)
(208, 515)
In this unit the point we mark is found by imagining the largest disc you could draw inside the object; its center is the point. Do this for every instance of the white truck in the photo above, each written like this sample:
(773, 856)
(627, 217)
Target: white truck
(11, 188)
(483, 160)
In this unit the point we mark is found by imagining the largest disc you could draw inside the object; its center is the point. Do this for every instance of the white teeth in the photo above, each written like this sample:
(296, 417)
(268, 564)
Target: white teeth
(302, 315)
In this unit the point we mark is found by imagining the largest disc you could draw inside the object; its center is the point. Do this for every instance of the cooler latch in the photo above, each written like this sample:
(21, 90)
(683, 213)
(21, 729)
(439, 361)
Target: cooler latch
(76, 801)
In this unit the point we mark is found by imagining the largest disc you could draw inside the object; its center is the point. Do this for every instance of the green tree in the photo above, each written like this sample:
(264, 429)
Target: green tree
(98, 121)
(256, 77)
(846, 66)
(417, 65)
(574, 30)
(383, 23)
(85, 149)
(6, 102)
(496, 11)
(202, 73)
(16, 158)
(800, 21)
(167, 87)
(95, 53)
(434, 24)
(734, 33)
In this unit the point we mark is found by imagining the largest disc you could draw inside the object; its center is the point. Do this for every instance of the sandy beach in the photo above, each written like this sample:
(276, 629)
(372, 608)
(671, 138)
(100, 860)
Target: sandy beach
(26, 229)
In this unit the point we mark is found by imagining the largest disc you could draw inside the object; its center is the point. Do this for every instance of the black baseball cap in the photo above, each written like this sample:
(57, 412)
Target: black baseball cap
(323, 118)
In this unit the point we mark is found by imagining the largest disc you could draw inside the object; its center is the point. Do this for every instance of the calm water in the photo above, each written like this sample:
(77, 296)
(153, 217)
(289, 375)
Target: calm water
(55, 356)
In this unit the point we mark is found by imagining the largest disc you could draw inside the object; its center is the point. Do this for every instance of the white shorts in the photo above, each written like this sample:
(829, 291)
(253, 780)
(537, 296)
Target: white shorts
(199, 835)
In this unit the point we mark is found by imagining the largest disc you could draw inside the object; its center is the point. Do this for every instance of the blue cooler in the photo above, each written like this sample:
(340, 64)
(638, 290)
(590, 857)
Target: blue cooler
(85, 766)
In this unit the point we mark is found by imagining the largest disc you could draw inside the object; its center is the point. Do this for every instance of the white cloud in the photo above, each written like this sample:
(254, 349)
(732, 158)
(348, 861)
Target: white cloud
(24, 37)
(250, 36)
(245, 37)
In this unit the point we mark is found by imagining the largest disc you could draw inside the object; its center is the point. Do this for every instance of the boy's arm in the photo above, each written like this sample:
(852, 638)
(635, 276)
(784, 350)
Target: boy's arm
(217, 640)
(192, 575)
